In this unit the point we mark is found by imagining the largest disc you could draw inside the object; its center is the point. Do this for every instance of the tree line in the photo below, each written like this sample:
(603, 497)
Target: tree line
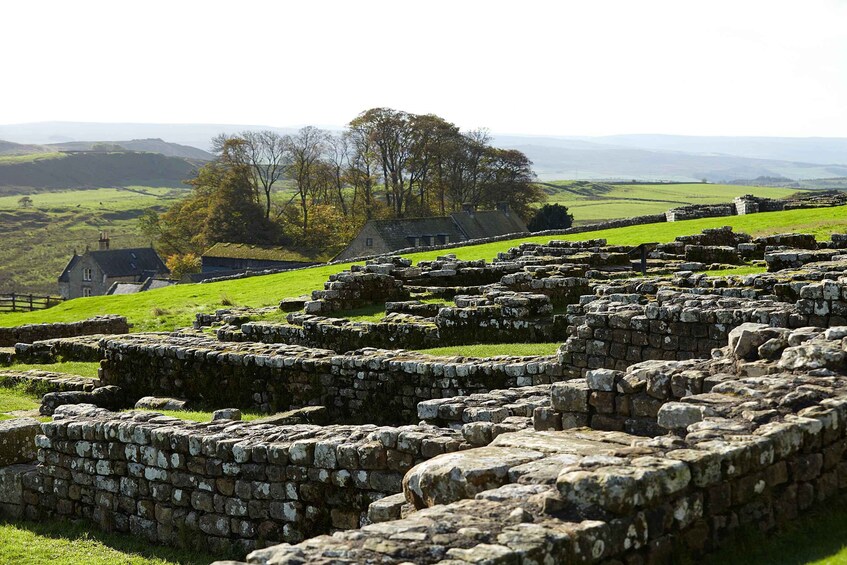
(385, 164)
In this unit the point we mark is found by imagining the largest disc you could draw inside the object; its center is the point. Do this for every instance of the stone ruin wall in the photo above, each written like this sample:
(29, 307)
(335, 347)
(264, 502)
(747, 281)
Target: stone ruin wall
(375, 385)
(218, 486)
(698, 441)
(736, 451)
(37, 332)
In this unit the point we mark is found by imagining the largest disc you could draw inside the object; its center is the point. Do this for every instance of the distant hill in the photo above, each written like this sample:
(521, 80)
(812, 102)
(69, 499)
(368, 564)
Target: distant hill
(9, 148)
(618, 157)
(195, 135)
(818, 150)
(557, 158)
(153, 145)
(56, 171)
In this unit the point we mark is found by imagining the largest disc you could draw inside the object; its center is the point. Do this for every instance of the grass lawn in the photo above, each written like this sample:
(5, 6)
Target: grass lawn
(494, 349)
(200, 416)
(169, 308)
(81, 368)
(78, 543)
(13, 399)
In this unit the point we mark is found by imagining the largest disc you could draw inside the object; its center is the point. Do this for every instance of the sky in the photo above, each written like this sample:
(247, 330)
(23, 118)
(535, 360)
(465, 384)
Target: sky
(567, 68)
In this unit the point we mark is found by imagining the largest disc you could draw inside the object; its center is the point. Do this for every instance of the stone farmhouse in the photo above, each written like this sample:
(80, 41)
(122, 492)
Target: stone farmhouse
(95, 272)
(385, 236)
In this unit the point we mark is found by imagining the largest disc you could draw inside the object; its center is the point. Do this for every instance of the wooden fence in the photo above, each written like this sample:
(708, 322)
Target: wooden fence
(26, 302)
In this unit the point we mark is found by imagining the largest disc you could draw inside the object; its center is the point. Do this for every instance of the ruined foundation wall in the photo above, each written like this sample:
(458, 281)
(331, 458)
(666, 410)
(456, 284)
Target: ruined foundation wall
(369, 385)
(612, 335)
(37, 332)
(220, 483)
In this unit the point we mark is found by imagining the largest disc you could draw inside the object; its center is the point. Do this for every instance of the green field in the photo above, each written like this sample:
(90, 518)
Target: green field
(495, 349)
(29, 158)
(169, 308)
(37, 242)
(81, 368)
(14, 399)
(590, 202)
(78, 543)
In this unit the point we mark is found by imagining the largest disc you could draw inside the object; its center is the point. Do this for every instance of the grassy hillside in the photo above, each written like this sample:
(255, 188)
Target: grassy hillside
(21, 174)
(592, 202)
(36, 242)
(172, 307)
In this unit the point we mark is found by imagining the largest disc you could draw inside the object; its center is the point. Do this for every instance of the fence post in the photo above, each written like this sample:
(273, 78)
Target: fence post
(30, 302)
(13, 302)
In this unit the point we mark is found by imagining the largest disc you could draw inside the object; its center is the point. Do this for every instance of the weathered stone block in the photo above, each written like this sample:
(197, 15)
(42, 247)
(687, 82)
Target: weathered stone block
(17, 440)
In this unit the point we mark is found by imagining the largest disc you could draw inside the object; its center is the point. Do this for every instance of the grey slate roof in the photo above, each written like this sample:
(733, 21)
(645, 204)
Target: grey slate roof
(65, 276)
(488, 223)
(127, 262)
(395, 232)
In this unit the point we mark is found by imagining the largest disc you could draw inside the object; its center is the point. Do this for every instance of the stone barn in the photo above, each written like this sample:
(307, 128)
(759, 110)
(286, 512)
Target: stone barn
(385, 236)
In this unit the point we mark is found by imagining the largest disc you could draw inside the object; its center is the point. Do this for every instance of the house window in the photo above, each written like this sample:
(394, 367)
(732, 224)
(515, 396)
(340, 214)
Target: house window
(369, 242)
(86, 274)
(86, 291)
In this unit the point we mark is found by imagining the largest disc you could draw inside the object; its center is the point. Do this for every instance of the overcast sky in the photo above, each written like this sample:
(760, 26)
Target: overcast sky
(546, 68)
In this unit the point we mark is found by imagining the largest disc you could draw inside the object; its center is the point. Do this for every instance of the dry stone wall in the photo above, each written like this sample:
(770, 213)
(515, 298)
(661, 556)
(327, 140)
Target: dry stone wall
(368, 385)
(81, 348)
(220, 485)
(339, 334)
(751, 451)
(42, 382)
(37, 332)
(616, 331)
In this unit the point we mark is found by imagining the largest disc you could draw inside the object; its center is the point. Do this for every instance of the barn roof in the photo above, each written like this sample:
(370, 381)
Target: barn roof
(261, 253)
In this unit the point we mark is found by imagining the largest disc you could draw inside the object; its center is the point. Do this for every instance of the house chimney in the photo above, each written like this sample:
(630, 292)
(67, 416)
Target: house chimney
(503, 206)
(468, 208)
(104, 241)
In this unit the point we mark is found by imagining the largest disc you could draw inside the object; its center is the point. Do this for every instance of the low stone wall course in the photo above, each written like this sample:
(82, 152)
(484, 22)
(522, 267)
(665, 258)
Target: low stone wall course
(81, 348)
(220, 484)
(42, 382)
(39, 332)
(367, 385)
(752, 451)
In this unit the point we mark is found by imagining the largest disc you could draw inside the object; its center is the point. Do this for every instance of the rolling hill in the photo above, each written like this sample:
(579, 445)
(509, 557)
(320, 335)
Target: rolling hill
(45, 168)
(617, 157)
(556, 158)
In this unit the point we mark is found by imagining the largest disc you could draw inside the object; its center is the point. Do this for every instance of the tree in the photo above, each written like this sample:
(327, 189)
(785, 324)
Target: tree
(306, 149)
(181, 265)
(550, 217)
(363, 165)
(263, 152)
(220, 208)
(25, 202)
(391, 134)
(507, 177)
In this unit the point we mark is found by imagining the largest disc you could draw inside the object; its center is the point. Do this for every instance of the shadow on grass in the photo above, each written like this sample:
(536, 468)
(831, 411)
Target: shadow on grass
(820, 535)
(80, 541)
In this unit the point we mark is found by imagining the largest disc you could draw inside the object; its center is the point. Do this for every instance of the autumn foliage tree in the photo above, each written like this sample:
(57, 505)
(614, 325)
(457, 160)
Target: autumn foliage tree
(221, 208)
(386, 164)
